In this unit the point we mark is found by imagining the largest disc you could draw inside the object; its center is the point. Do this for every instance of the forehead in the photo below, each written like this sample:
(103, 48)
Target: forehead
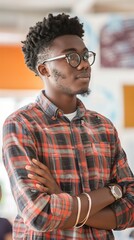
(62, 43)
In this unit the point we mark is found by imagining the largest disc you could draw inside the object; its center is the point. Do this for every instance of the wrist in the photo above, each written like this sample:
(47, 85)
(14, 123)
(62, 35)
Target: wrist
(115, 190)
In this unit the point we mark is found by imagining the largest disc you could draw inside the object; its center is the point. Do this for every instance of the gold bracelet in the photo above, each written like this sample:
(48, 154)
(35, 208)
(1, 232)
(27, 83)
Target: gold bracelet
(89, 209)
(78, 213)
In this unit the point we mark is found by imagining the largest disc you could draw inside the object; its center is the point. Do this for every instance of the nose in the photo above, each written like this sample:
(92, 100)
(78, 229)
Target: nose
(84, 65)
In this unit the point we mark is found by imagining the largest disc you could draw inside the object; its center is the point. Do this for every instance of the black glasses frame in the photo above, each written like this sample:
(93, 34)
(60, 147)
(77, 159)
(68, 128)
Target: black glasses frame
(80, 58)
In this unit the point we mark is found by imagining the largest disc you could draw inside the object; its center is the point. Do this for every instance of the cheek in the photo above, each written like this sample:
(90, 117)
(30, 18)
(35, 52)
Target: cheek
(58, 74)
(62, 73)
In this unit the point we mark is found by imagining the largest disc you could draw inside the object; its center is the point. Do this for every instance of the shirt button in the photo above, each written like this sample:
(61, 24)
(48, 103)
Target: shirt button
(34, 190)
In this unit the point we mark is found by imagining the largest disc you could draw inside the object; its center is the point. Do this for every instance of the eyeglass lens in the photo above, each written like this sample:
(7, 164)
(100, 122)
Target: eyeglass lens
(74, 59)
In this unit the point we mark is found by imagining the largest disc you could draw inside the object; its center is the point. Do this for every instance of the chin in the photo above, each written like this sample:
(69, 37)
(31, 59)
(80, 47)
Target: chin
(84, 93)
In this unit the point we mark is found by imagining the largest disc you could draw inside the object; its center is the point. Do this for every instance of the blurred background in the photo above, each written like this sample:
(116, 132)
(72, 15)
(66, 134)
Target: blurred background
(109, 31)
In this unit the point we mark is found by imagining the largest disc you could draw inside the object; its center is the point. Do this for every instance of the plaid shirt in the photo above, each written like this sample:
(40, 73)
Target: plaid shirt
(82, 155)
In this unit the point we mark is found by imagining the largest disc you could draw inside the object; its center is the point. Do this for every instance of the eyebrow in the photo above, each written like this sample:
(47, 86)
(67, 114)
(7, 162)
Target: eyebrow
(73, 50)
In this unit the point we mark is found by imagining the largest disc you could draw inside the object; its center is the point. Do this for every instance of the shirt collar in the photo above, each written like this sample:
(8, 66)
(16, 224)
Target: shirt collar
(53, 111)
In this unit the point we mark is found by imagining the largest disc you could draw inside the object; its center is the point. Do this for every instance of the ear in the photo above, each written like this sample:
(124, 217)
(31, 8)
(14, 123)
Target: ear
(43, 70)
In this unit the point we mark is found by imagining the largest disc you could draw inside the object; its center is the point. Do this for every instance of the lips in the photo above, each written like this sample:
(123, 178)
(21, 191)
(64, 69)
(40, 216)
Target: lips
(82, 76)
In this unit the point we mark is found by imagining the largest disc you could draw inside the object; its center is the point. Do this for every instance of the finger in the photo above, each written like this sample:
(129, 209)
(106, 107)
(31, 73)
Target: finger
(42, 173)
(42, 188)
(40, 165)
(38, 179)
(37, 171)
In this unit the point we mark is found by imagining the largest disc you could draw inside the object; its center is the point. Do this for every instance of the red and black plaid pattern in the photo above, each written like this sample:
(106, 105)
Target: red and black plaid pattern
(82, 155)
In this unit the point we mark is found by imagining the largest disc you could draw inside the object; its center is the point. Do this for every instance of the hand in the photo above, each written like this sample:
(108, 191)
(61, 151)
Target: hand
(43, 178)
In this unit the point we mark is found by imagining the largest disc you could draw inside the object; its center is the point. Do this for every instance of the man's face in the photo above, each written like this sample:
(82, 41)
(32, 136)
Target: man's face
(64, 78)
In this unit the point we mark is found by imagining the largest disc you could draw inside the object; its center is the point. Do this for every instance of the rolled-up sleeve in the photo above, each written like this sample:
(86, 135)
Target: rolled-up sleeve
(40, 211)
(121, 172)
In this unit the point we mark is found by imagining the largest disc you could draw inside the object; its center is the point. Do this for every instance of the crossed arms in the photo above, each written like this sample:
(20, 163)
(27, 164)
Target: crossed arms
(33, 202)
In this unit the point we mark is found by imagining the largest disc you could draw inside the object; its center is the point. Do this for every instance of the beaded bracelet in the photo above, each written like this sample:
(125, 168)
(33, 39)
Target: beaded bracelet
(89, 209)
(78, 213)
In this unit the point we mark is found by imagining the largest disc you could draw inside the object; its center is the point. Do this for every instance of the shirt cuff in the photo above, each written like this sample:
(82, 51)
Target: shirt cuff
(61, 207)
(122, 211)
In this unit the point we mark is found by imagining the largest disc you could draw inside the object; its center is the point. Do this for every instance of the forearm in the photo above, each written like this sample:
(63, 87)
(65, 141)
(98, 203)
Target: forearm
(105, 219)
(100, 199)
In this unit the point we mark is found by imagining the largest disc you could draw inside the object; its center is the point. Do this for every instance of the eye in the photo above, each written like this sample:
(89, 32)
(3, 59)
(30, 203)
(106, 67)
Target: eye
(86, 56)
(73, 56)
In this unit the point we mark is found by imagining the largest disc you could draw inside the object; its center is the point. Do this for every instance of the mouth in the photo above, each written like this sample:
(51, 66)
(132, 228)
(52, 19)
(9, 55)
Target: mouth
(83, 76)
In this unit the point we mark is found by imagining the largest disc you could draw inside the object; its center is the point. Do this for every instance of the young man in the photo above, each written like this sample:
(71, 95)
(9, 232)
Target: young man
(80, 185)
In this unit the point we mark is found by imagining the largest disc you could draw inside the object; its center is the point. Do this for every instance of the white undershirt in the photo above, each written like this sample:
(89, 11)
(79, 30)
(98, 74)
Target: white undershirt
(70, 116)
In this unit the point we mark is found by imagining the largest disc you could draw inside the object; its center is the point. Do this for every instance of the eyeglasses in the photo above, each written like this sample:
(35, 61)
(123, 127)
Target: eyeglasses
(74, 59)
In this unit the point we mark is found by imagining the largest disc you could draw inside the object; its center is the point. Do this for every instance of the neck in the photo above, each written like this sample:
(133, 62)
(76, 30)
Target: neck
(67, 103)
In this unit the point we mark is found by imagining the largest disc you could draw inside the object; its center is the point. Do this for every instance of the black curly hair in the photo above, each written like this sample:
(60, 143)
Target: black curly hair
(38, 40)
